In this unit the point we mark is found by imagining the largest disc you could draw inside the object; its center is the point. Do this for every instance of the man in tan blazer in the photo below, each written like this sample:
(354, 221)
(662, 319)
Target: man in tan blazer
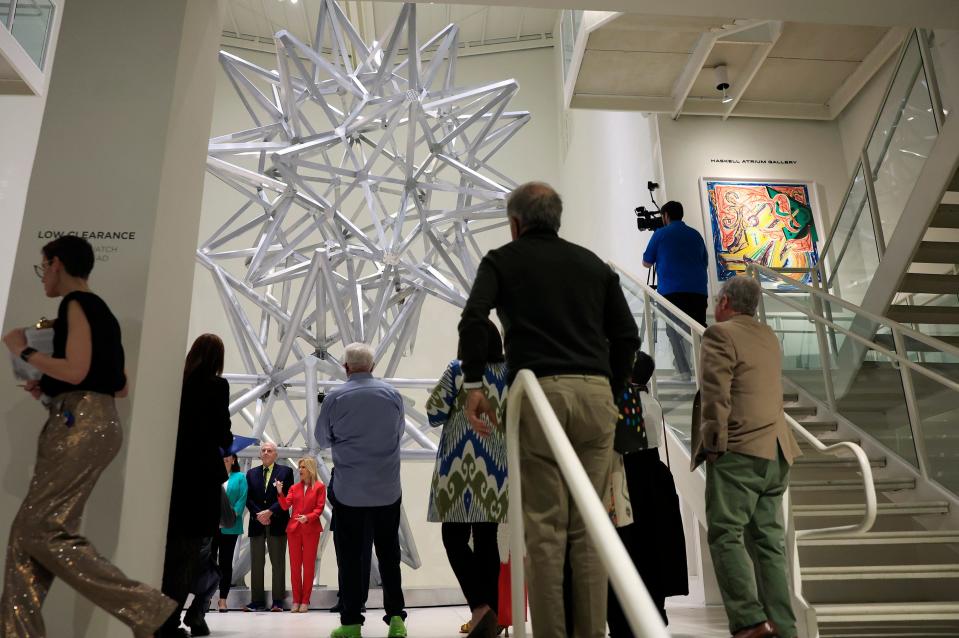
(743, 436)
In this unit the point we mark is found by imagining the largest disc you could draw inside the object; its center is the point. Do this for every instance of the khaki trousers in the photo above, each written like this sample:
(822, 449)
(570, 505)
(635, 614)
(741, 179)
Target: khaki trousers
(80, 439)
(584, 407)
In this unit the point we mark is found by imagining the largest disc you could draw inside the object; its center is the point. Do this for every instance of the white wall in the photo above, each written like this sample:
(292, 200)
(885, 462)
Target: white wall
(532, 154)
(691, 143)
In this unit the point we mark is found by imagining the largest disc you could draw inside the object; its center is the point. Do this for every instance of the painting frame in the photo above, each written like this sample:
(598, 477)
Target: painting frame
(712, 241)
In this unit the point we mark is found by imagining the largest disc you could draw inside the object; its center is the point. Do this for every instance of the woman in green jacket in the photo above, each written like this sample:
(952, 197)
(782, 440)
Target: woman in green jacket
(225, 542)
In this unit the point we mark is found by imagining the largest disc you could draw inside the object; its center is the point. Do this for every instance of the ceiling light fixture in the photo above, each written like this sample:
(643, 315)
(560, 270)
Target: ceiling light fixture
(722, 82)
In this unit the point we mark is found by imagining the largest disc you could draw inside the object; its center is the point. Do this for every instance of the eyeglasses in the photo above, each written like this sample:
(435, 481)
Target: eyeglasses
(40, 269)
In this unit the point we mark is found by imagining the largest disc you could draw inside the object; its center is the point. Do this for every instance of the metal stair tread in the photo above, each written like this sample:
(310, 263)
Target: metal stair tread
(929, 283)
(924, 314)
(825, 485)
(856, 509)
(905, 537)
(947, 216)
(873, 572)
(836, 462)
(887, 611)
(936, 252)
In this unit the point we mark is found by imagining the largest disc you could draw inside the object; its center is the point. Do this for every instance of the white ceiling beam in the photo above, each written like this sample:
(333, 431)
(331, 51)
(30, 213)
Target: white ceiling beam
(867, 69)
(622, 103)
(940, 14)
(755, 63)
(701, 106)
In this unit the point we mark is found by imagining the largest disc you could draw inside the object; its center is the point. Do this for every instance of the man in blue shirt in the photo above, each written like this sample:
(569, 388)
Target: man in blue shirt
(363, 421)
(679, 254)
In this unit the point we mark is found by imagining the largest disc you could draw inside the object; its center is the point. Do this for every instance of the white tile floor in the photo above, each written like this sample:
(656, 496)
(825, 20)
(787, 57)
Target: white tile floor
(433, 622)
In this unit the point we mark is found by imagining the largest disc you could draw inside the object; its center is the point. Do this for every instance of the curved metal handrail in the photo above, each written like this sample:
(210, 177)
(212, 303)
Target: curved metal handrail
(643, 617)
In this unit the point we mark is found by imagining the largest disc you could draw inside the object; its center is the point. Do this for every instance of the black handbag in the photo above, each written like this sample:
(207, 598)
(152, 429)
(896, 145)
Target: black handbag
(227, 513)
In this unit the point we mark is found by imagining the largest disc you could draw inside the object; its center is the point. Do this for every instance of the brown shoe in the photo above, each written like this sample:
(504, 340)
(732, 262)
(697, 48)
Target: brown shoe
(762, 630)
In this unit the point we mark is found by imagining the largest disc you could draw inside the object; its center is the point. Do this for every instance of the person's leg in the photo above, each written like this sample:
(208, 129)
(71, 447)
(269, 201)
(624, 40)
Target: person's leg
(76, 446)
(486, 564)
(545, 514)
(732, 483)
(590, 430)
(366, 561)
(348, 541)
(225, 559)
(276, 546)
(615, 618)
(257, 569)
(206, 580)
(179, 569)
(310, 543)
(386, 540)
(766, 537)
(456, 539)
(678, 344)
(295, 540)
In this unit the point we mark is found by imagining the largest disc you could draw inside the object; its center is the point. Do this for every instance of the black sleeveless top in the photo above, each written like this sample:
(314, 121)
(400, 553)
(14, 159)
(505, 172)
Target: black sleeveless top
(106, 374)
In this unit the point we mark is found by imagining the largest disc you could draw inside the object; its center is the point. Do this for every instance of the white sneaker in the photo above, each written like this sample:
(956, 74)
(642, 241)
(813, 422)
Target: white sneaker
(679, 377)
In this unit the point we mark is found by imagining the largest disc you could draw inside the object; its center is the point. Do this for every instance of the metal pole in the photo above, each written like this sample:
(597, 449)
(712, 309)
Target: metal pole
(651, 340)
(873, 204)
(932, 81)
(912, 405)
(825, 359)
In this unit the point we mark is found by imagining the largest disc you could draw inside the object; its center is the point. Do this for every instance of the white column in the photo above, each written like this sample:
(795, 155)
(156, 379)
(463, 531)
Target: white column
(121, 151)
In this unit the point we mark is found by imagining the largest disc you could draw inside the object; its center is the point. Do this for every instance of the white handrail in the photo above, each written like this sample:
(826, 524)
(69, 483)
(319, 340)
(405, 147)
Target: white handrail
(640, 611)
(869, 517)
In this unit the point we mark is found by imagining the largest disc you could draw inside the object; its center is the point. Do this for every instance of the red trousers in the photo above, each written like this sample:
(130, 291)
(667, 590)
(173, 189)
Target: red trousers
(303, 546)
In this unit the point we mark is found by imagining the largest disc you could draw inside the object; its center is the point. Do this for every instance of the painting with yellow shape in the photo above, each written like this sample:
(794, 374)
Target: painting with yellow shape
(768, 223)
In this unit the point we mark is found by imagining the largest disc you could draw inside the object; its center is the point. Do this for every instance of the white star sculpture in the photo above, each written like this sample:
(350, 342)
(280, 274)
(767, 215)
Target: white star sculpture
(364, 179)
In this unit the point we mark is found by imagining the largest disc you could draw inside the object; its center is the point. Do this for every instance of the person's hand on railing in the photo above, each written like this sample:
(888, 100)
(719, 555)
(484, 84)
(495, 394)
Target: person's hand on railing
(478, 406)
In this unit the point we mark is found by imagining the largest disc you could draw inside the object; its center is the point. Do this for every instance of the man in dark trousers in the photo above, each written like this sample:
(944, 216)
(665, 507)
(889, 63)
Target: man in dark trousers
(566, 319)
(679, 254)
(267, 529)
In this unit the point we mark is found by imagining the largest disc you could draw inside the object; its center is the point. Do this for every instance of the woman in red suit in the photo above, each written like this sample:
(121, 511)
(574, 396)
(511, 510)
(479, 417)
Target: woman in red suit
(306, 500)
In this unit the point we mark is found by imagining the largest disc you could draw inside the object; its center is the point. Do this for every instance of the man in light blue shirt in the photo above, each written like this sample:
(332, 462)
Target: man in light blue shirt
(363, 421)
(679, 254)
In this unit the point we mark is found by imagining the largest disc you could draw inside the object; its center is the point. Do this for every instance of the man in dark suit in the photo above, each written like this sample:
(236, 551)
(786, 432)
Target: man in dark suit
(267, 529)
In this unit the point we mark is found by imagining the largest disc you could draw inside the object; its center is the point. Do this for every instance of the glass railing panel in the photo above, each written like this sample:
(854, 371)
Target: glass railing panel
(903, 138)
(31, 27)
(675, 370)
(802, 363)
(853, 254)
(869, 393)
(938, 408)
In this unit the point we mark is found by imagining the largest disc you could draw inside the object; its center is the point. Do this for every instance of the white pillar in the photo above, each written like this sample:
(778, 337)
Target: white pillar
(122, 150)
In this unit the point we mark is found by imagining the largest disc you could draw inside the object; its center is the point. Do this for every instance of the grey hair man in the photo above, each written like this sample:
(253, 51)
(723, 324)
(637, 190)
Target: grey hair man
(566, 320)
(363, 420)
(743, 436)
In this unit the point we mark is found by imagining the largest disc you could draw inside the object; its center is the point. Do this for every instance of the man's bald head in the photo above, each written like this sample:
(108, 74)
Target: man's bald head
(535, 205)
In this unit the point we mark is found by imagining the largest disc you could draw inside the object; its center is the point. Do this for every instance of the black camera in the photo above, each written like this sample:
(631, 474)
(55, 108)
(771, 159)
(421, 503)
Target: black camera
(649, 219)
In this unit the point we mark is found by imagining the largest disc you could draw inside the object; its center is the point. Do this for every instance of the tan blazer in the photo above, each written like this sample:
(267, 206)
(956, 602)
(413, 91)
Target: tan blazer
(742, 395)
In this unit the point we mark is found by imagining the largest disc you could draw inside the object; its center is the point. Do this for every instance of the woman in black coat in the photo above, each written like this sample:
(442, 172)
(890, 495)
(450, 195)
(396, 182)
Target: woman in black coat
(198, 471)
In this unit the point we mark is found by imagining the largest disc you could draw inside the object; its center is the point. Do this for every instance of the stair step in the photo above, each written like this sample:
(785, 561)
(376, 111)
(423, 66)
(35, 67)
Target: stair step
(924, 314)
(954, 184)
(914, 508)
(796, 411)
(884, 538)
(833, 462)
(913, 345)
(946, 217)
(880, 572)
(837, 485)
(924, 282)
(819, 426)
(887, 612)
(808, 446)
(936, 252)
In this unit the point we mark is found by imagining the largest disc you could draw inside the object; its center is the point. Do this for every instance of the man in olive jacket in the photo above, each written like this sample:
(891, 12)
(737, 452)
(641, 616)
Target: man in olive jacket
(748, 447)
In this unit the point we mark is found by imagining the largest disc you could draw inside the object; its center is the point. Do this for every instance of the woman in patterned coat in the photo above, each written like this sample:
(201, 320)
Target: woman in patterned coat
(469, 494)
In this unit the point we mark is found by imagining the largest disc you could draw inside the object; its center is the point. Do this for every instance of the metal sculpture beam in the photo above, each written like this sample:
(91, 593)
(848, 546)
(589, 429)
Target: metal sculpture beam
(363, 182)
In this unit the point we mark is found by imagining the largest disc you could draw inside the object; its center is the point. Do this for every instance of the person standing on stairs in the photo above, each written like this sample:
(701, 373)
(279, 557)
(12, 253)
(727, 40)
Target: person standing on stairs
(679, 254)
(742, 435)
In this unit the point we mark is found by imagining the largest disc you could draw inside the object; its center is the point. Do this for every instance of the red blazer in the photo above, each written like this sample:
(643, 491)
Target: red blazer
(304, 502)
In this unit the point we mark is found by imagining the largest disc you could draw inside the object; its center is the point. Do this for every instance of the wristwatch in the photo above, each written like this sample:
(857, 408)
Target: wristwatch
(26, 353)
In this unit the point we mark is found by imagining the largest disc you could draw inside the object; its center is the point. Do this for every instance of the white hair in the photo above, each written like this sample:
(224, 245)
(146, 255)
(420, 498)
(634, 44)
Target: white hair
(743, 294)
(359, 356)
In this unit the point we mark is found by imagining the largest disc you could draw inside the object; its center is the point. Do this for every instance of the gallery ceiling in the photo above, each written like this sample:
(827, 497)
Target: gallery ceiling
(666, 64)
(252, 23)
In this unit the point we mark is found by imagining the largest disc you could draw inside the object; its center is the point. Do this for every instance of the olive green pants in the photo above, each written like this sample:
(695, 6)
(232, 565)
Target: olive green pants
(747, 539)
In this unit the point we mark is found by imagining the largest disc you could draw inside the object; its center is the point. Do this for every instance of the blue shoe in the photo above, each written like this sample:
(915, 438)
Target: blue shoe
(255, 607)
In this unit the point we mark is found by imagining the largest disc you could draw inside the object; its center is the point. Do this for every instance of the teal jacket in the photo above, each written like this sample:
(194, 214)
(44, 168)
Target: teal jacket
(236, 492)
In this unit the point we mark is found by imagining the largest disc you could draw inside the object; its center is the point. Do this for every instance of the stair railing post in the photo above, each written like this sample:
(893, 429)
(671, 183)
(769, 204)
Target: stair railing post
(932, 80)
(870, 181)
(912, 405)
(650, 339)
(825, 356)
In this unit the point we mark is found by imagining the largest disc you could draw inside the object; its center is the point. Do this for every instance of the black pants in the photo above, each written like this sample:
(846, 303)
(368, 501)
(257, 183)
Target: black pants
(366, 560)
(694, 305)
(181, 563)
(224, 546)
(205, 582)
(350, 539)
(476, 569)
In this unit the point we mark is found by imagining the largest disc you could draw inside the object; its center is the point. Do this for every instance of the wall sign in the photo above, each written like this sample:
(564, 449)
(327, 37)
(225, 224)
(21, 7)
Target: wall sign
(754, 162)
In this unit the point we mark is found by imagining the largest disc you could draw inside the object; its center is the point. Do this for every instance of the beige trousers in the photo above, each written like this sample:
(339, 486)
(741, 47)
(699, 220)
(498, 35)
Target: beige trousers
(584, 407)
(79, 440)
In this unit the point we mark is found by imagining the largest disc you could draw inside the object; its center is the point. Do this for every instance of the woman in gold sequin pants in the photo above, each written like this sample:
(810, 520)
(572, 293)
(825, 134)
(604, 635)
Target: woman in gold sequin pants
(79, 440)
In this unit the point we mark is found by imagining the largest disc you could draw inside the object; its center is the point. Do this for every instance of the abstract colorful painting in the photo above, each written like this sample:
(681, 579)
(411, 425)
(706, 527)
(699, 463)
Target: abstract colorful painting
(768, 223)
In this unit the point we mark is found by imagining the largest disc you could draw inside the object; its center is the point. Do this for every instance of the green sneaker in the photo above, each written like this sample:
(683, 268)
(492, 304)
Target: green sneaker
(347, 631)
(397, 627)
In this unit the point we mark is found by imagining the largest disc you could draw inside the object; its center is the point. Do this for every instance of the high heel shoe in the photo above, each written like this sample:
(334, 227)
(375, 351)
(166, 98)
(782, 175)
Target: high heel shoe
(222, 606)
(486, 627)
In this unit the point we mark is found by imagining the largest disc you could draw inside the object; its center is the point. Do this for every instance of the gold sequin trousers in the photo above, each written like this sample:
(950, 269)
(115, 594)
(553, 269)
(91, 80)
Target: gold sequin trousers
(79, 440)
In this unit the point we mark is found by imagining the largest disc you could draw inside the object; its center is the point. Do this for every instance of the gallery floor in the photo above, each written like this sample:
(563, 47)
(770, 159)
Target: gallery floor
(430, 622)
